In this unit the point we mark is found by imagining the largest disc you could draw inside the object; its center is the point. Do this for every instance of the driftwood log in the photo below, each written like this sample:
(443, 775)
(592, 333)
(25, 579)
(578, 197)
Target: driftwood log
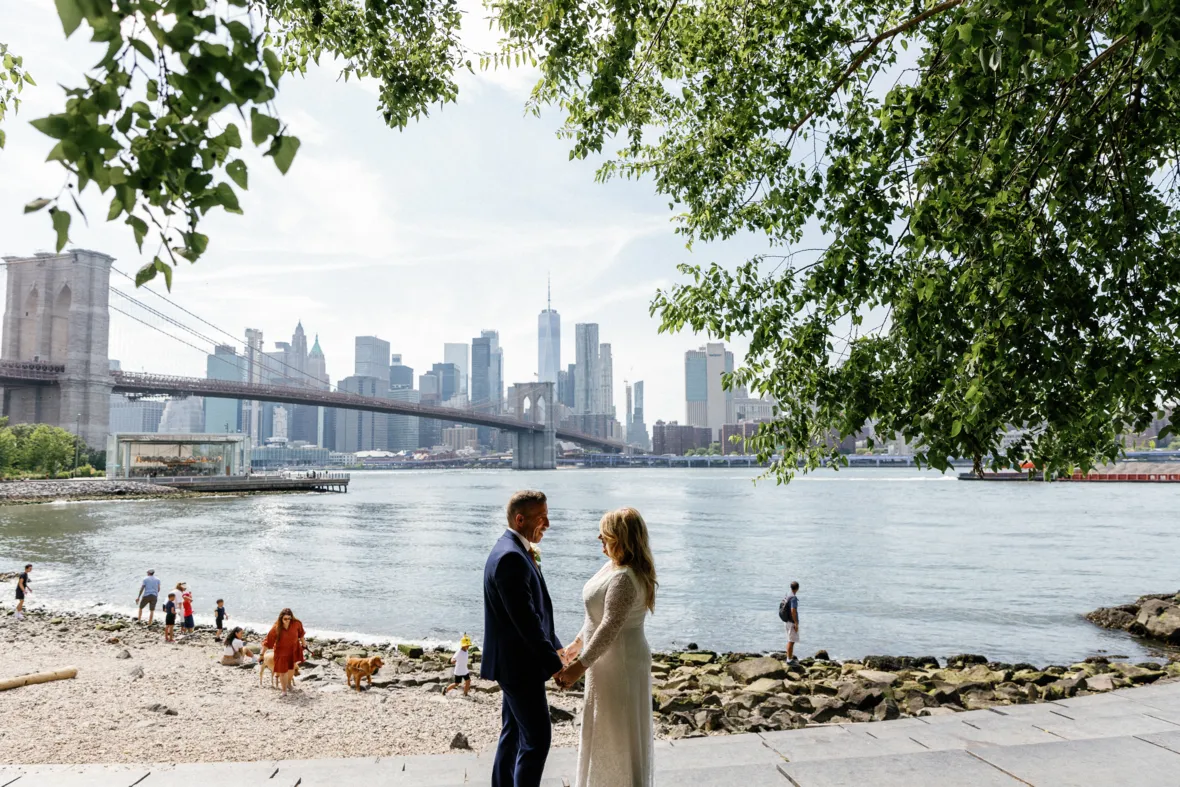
(38, 677)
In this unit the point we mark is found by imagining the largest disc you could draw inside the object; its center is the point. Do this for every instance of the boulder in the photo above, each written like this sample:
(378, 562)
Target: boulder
(978, 699)
(825, 708)
(557, 715)
(942, 710)
(915, 702)
(965, 660)
(877, 678)
(701, 657)
(411, 651)
(858, 696)
(123, 654)
(886, 710)
(1035, 677)
(753, 669)
(708, 719)
(1136, 674)
(670, 703)
(821, 655)
(1104, 682)
(1159, 619)
(764, 686)
(460, 742)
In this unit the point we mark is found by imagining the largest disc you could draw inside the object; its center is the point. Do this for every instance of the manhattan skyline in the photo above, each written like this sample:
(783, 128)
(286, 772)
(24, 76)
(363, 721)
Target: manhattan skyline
(421, 237)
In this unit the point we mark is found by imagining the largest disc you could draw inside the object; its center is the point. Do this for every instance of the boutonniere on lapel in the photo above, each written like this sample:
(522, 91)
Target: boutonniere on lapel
(535, 552)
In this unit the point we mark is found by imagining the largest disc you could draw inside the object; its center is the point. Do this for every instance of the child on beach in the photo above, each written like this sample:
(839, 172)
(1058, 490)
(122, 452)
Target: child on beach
(462, 674)
(170, 618)
(186, 601)
(235, 653)
(22, 587)
(221, 615)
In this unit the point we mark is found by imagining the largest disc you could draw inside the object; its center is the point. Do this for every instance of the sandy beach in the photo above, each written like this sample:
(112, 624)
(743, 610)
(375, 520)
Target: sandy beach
(109, 712)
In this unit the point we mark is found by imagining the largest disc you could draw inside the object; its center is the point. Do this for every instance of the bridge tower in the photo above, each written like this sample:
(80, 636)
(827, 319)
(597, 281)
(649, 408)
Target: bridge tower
(56, 312)
(535, 450)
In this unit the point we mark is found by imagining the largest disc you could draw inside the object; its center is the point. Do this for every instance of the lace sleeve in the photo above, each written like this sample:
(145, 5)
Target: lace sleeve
(620, 597)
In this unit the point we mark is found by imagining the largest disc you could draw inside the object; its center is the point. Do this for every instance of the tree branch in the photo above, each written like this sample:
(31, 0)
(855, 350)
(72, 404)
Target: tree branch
(871, 47)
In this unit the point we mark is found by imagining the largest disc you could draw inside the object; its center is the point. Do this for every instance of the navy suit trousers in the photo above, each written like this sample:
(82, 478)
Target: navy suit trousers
(524, 741)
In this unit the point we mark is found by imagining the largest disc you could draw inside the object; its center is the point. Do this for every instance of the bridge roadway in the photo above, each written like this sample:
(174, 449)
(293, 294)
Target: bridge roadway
(33, 373)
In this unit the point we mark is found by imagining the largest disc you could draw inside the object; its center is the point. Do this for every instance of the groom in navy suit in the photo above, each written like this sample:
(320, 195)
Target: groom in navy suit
(521, 650)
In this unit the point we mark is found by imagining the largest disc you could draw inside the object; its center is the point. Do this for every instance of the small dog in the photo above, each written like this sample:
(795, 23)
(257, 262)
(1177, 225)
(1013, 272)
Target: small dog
(362, 668)
(268, 663)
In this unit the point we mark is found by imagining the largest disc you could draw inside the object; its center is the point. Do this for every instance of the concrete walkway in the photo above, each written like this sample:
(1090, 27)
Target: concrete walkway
(1127, 737)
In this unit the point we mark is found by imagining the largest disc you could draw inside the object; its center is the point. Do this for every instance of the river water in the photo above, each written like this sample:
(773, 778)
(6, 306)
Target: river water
(893, 561)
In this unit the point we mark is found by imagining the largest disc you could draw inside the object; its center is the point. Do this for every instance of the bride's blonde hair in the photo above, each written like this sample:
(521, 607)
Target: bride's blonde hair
(626, 536)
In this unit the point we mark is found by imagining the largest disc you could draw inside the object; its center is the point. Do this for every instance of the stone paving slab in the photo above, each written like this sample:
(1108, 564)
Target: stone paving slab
(723, 776)
(82, 776)
(1097, 761)
(1108, 727)
(1167, 740)
(927, 769)
(211, 773)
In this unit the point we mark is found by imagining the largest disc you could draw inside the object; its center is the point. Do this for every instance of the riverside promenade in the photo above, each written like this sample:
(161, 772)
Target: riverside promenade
(1125, 737)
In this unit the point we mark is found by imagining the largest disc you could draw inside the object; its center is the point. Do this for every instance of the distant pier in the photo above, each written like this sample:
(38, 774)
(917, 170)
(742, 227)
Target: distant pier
(311, 482)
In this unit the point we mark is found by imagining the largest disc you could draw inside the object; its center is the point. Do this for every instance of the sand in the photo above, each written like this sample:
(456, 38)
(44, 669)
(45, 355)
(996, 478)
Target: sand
(221, 713)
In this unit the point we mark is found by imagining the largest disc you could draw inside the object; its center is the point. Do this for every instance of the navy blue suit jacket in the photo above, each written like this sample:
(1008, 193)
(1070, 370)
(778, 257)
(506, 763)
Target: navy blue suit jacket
(519, 643)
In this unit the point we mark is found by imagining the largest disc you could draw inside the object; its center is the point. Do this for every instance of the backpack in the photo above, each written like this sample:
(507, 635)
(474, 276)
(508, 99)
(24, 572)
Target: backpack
(784, 611)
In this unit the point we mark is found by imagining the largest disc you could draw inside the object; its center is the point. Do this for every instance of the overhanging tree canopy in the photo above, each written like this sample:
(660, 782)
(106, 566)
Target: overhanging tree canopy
(994, 182)
(149, 124)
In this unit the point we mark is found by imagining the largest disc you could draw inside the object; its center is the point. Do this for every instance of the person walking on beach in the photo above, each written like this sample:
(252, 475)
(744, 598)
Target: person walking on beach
(788, 612)
(149, 591)
(462, 673)
(221, 616)
(22, 589)
(170, 618)
(521, 649)
(286, 639)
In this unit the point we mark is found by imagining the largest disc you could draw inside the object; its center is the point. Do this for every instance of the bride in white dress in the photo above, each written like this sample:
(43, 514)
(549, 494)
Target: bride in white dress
(612, 651)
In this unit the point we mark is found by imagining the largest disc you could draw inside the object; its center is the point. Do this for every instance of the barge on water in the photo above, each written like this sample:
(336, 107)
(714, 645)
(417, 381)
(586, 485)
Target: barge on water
(309, 482)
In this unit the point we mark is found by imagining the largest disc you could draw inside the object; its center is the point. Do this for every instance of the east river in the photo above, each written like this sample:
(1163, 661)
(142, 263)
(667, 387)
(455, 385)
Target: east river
(891, 561)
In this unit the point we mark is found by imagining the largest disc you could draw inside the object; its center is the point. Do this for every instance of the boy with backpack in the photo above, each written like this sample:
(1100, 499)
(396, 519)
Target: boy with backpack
(788, 612)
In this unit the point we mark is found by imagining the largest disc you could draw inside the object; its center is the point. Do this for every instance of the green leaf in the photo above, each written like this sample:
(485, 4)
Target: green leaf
(3, 137)
(138, 227)
(55, 126)
(233, 138)
(262, 127)
(284, 150)
(61, 224)
(142, 48)
(227, 198)
(70, 12)
(956, 427)
(236, 169)
(37, 204)
(272, 65)
(116, 209)
(145, 274)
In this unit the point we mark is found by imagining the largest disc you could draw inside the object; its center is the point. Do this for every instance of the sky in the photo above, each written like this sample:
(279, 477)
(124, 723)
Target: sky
(420, 237)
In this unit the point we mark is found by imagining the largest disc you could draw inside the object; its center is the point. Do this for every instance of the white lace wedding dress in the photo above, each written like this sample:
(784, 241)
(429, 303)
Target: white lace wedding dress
(616, 746)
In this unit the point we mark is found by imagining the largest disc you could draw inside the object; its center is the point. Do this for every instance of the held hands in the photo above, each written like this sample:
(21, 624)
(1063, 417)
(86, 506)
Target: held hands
(570, 675)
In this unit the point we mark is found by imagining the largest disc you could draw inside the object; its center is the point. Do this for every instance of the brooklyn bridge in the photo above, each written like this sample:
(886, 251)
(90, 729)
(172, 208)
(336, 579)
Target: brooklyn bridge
(54, 368)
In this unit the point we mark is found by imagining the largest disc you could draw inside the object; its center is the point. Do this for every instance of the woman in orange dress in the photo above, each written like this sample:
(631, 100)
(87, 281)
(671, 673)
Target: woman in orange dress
(286, 640)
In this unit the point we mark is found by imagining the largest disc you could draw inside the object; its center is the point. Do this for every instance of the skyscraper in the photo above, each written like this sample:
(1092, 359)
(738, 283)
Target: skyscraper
(448, 380)
(457, 353)
(400, 375)
(223, 415)
(403, 429)
(606, 382)
(358, 430)
(252, 411)
(481, 370)
(372, 358)
(637, 433)
(627, 412)
(495, 370)
(548, 344)
(587, 381)
(719, 361)
(696, 388)
(707, 402)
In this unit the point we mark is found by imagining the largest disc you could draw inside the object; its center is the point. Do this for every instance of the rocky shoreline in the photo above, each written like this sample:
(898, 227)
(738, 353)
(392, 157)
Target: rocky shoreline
(1155, 616)
(83, 489)
(129, 678)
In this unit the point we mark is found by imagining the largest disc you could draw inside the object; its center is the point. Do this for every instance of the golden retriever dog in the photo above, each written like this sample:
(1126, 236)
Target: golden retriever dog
(362, 668)
(268, 663)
